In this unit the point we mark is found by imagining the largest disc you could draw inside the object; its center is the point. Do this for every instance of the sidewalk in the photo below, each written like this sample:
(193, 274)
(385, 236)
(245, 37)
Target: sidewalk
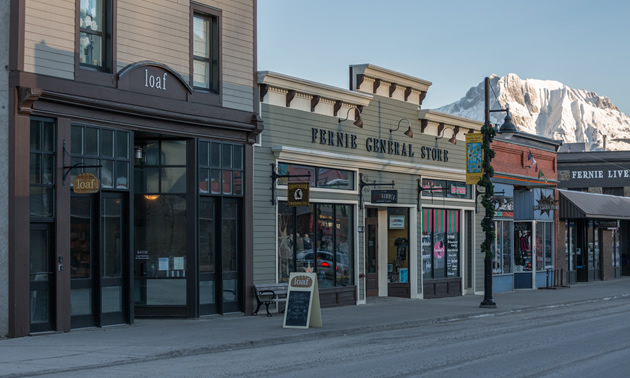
(150, 339)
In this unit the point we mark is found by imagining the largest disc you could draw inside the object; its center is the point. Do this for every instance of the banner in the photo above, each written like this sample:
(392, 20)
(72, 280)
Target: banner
(474, 158)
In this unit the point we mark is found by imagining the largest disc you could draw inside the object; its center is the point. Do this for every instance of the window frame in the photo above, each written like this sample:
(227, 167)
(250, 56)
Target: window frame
(202, 95)
(87, 73)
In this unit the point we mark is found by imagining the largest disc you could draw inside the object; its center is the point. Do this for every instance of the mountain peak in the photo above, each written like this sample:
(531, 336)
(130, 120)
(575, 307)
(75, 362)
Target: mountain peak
(550, 109)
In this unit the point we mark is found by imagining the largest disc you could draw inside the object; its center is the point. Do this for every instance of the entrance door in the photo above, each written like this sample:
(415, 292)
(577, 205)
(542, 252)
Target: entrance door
(371, 256)
(42, 278)
(99, 295)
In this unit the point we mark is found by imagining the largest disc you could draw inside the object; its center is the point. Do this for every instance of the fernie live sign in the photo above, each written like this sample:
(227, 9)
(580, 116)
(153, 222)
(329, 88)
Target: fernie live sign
(298, 194)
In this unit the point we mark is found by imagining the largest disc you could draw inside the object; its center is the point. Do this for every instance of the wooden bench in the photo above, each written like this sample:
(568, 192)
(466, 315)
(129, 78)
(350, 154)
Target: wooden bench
(270, 293)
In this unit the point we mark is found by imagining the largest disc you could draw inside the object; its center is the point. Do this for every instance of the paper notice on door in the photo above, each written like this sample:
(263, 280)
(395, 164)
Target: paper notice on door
(163, 263)
(178, 263)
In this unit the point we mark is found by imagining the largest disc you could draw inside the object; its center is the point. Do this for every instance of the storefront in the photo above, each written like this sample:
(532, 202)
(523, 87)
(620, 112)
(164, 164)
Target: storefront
(132, 185)
(593, 231)
(595, 220)
(526, 212)
(367, 154)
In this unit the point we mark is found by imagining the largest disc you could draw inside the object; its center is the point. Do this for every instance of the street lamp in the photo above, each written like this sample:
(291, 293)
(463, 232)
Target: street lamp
(487, 224)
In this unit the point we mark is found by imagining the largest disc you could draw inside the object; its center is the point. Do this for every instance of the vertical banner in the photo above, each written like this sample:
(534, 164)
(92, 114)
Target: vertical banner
(474, 158)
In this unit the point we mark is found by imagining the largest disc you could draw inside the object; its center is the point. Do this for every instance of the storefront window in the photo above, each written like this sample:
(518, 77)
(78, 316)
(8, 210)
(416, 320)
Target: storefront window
(448, 189)
(544, 246)
(320, 177)
(105, 151)
(523, 246)
(317, 238)
(440, 243)
(502, 247)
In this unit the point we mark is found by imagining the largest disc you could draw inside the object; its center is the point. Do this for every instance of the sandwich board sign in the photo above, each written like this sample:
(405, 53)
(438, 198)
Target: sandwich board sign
(302, 308)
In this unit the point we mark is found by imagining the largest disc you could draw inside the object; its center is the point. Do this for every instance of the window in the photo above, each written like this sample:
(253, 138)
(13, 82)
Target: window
(613, 191)
(440, 243)
(320, 177)
(502, 247)
(105, 151)
(95, 36)
(448, 189)
(42, 168)
(523, 247)
(544, 245)
(205, 52)
(317, 238)
(220, 168)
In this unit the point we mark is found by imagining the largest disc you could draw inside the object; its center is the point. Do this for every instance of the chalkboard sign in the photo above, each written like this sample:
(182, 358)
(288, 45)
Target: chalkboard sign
(302, 308)
(297, 310)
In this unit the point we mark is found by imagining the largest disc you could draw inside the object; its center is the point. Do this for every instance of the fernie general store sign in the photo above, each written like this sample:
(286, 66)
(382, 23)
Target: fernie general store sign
(376, 145)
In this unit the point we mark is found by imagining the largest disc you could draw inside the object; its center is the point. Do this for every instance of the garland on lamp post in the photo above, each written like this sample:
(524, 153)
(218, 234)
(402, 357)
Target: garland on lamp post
(487, 224)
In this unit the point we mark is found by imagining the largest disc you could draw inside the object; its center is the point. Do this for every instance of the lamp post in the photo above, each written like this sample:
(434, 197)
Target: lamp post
(487, 224)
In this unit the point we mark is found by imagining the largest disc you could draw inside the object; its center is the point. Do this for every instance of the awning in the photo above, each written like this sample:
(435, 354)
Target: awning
(580, 205)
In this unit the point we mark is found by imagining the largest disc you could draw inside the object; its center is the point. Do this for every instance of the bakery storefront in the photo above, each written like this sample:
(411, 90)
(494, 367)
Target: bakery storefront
(383, 180)
(137, 208)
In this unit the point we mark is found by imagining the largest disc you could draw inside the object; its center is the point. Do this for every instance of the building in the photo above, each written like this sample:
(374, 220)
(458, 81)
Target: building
(525, 181)
(388, 213)
(127, 184)
(594, 213)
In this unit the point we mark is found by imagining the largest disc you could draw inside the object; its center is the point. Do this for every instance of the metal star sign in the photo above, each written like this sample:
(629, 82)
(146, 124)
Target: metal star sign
(546, 204)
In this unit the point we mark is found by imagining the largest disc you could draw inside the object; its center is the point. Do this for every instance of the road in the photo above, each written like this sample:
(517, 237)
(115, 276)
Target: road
(584, 340)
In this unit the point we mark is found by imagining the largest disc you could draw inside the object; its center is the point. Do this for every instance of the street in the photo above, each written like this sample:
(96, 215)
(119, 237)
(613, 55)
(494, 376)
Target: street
(579, 340)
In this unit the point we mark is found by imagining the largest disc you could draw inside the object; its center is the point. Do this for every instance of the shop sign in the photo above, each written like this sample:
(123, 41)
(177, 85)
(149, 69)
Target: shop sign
(302, 309)
(384, 196)
(397, 222)
(298, 194)
(545, 204)
(376, 145)
(607, 223)
(86, 183)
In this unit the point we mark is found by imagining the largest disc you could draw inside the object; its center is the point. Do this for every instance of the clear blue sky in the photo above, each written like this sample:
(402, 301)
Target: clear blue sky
(453, 44)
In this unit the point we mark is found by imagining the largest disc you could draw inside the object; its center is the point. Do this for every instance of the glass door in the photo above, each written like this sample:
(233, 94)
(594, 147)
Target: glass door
(113, 240)
(371, 256)
(42, 278)
(230, 256)
(82, 266)
(207, 252)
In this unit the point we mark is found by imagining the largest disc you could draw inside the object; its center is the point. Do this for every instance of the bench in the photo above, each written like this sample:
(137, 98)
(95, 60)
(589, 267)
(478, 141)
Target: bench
(270, 293)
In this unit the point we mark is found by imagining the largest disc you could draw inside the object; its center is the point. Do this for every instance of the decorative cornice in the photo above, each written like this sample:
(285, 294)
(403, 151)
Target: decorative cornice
(26, 99)
(389, 76)
(310, 88)
(449, 119)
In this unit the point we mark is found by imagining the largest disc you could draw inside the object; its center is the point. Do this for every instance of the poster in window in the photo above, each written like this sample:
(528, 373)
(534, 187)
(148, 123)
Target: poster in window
(452, 255)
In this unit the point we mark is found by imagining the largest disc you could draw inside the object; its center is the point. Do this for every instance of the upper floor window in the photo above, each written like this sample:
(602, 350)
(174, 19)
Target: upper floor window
(95, 50)
(205, 54)
(320, 177)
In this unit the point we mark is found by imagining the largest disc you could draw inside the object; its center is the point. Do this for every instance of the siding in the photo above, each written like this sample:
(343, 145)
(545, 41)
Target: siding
(4, 168)
(49, 38)
(155, 30)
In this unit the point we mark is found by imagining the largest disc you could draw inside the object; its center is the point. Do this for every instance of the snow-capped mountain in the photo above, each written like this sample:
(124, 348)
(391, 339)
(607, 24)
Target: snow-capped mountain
(550, 109)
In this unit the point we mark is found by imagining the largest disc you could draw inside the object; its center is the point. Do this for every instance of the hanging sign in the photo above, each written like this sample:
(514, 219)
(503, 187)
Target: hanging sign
(474, 158)
(298, 194)
(86, 183)
(303, 308)
(384, 196)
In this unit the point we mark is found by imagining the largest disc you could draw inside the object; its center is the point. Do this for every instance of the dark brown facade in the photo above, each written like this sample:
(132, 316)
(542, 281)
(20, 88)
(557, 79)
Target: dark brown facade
(174, 192)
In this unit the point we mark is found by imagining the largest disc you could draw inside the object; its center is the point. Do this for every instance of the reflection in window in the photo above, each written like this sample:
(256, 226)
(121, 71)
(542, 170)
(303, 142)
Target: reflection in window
(206, 52)
(440, 243)
(319, 239)
(328, 178)
(42, 168)
(220, 168)
(95, 34)
(502, 247)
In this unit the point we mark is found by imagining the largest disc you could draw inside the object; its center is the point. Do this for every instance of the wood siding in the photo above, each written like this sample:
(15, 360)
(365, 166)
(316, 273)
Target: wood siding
(154, 30)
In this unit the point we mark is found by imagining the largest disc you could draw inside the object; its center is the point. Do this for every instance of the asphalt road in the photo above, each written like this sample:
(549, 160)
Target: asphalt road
(583, 340)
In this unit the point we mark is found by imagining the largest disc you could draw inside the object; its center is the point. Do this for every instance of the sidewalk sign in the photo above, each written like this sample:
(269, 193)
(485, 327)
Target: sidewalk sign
(302, 308)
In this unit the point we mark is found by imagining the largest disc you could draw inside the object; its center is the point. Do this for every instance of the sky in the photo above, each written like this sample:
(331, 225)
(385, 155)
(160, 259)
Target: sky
(454, 44)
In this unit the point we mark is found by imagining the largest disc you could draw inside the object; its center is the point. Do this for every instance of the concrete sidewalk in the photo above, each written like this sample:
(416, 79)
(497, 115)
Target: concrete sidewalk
(150, 339)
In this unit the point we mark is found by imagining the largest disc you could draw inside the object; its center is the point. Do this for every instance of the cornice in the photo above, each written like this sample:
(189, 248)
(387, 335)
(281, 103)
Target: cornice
(376, 72)
(449, 119)
(311, 89)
